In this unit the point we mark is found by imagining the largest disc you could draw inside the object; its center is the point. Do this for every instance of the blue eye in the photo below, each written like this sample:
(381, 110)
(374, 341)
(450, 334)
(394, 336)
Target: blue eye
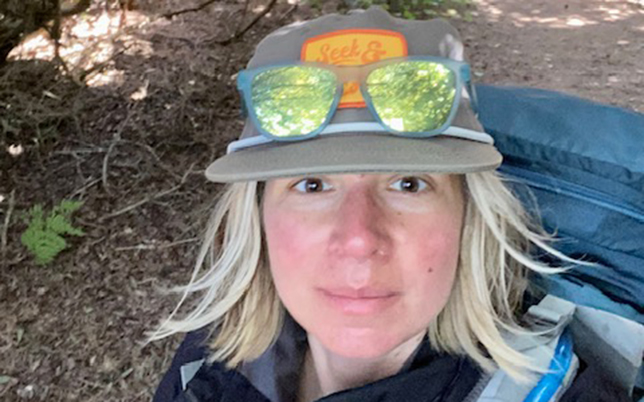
(409, 184)
(311, 185)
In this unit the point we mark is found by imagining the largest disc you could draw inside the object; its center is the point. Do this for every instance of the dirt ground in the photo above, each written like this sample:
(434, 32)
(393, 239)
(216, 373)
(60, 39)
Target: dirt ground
(132, 145)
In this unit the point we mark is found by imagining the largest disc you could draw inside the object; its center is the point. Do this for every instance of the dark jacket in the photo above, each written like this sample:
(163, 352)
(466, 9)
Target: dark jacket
(428, 376)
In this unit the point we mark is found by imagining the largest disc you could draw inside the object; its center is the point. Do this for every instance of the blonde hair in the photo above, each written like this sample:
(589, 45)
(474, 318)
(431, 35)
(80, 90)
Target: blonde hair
(242, 305)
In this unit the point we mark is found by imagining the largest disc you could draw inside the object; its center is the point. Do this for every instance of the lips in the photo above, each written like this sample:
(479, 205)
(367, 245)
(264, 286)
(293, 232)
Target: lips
(359, 301)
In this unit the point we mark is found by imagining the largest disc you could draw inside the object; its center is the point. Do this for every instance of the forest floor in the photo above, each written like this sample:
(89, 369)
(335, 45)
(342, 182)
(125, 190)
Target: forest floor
(133, 143)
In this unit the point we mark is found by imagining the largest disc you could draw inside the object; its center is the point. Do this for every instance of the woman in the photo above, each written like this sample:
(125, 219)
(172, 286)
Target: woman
(365, 248)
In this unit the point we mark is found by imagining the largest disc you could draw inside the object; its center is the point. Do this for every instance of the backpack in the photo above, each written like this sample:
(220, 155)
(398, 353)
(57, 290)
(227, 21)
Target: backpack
(579, 166)
(584, 164)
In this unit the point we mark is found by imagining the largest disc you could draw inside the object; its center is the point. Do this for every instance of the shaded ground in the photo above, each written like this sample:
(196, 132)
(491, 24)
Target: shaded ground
(133, 147)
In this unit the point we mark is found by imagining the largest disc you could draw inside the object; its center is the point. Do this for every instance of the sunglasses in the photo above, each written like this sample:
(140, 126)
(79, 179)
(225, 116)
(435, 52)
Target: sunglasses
(414, 96)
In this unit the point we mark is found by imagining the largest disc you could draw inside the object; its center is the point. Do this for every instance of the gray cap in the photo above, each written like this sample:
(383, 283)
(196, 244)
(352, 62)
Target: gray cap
(356, 146)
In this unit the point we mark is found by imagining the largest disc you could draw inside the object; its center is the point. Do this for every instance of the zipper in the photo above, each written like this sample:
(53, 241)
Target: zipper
(573, 190)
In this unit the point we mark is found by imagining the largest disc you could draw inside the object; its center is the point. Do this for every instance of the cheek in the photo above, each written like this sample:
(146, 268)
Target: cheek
(293, 247)
(441, 251)
(279, 230)
(435, 261)
(292, 237)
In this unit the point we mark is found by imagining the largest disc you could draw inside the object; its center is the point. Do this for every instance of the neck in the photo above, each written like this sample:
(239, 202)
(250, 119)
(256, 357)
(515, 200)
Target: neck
(326, 373)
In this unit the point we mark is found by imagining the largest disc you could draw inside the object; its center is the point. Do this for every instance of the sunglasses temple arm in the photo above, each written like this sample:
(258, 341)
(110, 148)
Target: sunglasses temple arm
(467, 79)
(244, 108)
(474, 102)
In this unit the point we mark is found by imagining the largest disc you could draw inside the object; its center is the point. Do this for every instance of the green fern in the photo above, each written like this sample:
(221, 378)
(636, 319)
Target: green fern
(44, 235)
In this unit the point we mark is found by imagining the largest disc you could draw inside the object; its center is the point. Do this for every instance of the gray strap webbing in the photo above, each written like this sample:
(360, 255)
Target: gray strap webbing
(188, 371)
(555, 314)
(611, 342)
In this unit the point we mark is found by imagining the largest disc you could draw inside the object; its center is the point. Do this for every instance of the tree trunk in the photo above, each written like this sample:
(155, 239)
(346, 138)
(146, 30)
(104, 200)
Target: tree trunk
(22, 17)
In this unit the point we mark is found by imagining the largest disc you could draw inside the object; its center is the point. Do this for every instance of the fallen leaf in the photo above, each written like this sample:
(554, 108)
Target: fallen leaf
(20, 332)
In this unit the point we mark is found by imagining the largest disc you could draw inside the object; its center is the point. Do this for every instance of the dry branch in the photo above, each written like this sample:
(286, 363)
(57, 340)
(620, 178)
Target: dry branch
(100, 66)
(255, 20)
(148, 199)
(288, 12)
(188, 10)
(76, 152)
(152, 246)
(89, 183)
(106, 159)
(5, 227)
(157, 159)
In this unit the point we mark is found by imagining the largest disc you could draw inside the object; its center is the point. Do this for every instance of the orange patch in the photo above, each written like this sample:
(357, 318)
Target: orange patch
(351, 47)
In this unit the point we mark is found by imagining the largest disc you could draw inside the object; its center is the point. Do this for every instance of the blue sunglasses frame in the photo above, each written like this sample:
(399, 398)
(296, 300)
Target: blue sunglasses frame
(358, 74)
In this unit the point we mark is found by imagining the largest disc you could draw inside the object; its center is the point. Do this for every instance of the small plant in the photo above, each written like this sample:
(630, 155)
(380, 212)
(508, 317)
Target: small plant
(44, 235)
(416, 9)
(315, 4)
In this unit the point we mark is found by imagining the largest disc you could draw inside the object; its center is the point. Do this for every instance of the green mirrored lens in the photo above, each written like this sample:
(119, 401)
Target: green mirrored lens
(292, 100)
(412, 96)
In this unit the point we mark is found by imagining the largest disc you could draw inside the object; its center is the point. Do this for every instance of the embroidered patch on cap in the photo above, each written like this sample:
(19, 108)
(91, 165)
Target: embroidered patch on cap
(351, 47)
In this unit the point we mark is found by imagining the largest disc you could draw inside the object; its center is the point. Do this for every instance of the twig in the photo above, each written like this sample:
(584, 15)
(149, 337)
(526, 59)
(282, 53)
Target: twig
(97, 67)
(106, 158)
(13, 262)
(118, 133)
(5, 227)
(245, 10)
(288, 12)
(88, 184)
(255, 20)
(148, 199)
(96, 385)
(79, 168)
(63, 63)
(156, 158)
(148, 246)
(188, 10)
(76, 152)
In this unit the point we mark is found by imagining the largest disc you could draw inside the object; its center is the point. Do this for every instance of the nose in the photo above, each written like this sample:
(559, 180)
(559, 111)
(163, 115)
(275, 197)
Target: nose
(360, 231)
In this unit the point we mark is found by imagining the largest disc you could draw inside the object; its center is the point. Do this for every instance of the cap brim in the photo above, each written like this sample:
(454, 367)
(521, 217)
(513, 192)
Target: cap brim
(355, 153)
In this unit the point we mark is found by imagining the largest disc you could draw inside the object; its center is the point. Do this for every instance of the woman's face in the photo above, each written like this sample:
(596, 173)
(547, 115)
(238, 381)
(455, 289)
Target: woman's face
(364, 262)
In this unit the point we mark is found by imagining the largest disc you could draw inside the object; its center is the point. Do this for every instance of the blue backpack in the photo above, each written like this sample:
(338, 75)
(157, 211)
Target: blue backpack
(581, 166)
(584, 164)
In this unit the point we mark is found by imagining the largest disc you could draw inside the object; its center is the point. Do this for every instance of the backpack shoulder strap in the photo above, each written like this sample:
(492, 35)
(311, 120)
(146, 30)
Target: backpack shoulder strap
(551, 350)
(607, 340)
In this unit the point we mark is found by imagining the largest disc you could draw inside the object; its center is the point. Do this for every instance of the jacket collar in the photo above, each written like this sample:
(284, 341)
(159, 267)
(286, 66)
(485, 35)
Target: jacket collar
(427, 375)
